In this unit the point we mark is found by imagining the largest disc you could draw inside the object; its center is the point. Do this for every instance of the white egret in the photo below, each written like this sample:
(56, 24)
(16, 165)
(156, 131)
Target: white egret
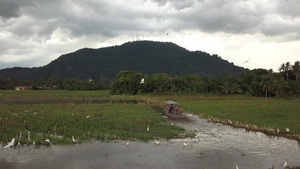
(172, 124)
(157, 143)
(47, 140)
(236, 166)
(184, 144)
(143, 80)
(285, 164)
(73, 139)
(127, 144)
(20, 136)
(87, 117)
(148, 128)
(277, 130)
(219, 135)
(287, 130)
(12, 142)
(28, 135)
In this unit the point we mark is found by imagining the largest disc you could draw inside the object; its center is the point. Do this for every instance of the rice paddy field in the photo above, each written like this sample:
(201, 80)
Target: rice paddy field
(32, 117)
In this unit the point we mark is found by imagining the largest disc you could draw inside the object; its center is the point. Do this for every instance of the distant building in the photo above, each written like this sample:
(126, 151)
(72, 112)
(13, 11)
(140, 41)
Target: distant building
(22, 87)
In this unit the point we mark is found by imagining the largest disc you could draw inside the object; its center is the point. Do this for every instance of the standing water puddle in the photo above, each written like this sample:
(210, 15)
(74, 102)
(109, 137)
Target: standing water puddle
(216, 146)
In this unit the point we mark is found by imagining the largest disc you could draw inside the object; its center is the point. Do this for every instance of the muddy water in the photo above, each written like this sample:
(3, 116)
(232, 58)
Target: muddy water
(216, 146)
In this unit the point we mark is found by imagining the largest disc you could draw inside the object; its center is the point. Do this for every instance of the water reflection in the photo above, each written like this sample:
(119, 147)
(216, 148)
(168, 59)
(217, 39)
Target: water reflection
(263, 150)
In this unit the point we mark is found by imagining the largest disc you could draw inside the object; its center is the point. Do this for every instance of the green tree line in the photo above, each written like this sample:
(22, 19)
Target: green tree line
(257, 82)
(55, 83)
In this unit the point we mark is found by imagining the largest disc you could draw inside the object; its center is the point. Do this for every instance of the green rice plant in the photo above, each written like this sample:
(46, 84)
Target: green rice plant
(59, 122)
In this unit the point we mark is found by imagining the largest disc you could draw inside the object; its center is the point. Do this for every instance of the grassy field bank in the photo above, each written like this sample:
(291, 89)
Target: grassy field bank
(262, 114)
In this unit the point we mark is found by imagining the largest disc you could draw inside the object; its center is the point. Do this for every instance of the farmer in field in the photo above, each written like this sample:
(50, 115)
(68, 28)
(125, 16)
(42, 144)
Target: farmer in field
(171, 109)
(177, 109)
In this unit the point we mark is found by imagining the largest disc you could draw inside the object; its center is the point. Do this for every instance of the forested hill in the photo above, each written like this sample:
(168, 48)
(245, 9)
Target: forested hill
(147, 57)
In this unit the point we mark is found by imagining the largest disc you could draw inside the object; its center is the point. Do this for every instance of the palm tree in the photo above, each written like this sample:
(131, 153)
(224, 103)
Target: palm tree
(268, 83)
(296, 71)
(281, 69)
(287, 67)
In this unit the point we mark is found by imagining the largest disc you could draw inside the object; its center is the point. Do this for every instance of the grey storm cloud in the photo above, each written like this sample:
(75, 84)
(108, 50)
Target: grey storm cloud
(28, 26)
(110, 18)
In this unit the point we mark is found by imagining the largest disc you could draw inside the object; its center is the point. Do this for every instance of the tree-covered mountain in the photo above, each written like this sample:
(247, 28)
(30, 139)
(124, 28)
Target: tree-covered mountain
(147, 57)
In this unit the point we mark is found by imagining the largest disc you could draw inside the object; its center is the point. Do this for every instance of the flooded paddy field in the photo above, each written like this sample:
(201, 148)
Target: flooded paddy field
(215, 146)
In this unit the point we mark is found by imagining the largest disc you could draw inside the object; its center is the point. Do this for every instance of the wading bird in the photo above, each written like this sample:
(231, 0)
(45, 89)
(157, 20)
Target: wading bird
(127, 144)
(236, 166)
(47, 140)
(28, 132)
(73, 139)
(157, 142)
(20, 136)
(143, 80)
(148, 128)
(12, 142)
(285, 164)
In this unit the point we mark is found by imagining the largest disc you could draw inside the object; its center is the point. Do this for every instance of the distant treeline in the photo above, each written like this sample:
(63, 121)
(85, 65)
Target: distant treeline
(55, 83)
(257, 82)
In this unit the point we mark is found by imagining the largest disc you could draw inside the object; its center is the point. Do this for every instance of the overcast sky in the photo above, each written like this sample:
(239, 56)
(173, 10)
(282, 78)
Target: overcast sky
(266, 33)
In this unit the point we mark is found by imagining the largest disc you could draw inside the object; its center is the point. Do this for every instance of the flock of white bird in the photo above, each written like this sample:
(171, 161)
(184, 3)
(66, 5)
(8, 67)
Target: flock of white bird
(13, 140)
(12, 143)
